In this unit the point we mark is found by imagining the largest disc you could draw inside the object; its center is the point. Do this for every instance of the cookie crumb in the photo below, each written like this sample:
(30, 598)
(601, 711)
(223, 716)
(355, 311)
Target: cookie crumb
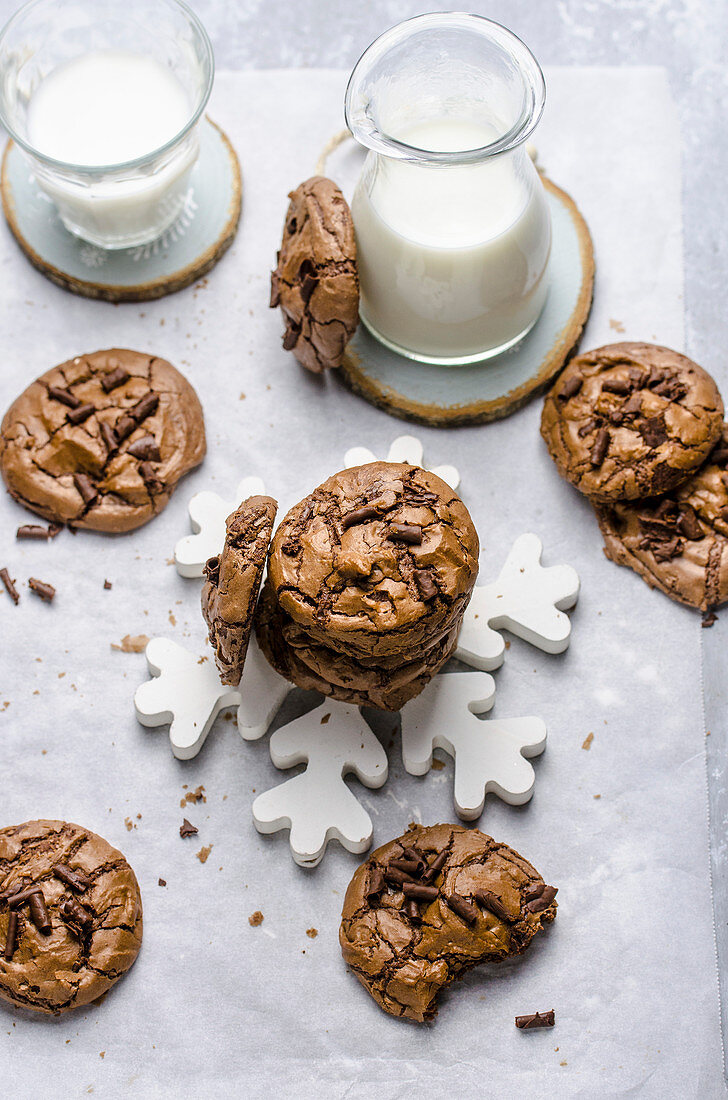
(102, 1053)
(204, 853)
(325, 718)
(709, 618)
(437, 765)
(187, 828)
(129, 824)
(616, 326)
(587, 742)
(162, 882)
(596, 796)
(255, 918)
(132, 643)
(108, 585)
(312, 933)
(194, 796)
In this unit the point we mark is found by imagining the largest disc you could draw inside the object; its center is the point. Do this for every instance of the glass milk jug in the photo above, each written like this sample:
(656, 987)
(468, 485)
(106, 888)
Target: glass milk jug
(451, 219)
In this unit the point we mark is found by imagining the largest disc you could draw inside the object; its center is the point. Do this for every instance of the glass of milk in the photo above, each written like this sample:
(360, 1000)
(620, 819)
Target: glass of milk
(452, 225)
(105, 99)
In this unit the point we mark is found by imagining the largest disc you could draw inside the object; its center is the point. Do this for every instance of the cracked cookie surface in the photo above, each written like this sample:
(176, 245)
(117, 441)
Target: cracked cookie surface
(230, 591)
(679, 542)
(101, 441)
(631, 420)
(481, 902)
(92, 930)
(386, 683)
(378, 560)
(316, 283)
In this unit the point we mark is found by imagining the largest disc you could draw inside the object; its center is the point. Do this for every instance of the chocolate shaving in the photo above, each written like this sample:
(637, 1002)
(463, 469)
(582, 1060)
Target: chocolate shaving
(64, 396)
(11, 938)
(77, 880)
(688, 524)
(187, 828)
(670, 388)
(409, 866)
(124, 426)
(653, 431)
(145, 448)
(426, 584)
(108, 585)
(536, 905)
(405, 532)
(33, 531)
(709, 618)
(375, 885)
(75, 914)
(493, 904)
(412, 910)
(45, 591)
(359, 515)
(616, 385)
(9, 586)
(109, 436)
(145, 407)
(587, 427)
(397, 878)
(662, 549)
(290, 336)
(114, 378)
(211, 570)
(533, 890)
(570, 388)
(416, 857)
(83, 412)
(419, 892)
(23, 896)
(665, 508)
(149, 476)
(536, 1019)
(464, 908)
(308, 279)
(86, 487)
(435, 867)
(39, 912)
(600, 448)
(633, 405)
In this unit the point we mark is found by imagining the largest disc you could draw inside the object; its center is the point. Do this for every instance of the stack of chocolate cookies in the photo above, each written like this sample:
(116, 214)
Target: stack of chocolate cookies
(368, 580)
(639, 430)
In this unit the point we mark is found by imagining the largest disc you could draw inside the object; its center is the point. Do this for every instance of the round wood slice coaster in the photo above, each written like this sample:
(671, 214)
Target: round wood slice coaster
(494, 388)
(185, 252)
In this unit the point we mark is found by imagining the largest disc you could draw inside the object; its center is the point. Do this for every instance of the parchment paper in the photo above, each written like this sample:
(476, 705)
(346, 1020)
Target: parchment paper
(213, 1005)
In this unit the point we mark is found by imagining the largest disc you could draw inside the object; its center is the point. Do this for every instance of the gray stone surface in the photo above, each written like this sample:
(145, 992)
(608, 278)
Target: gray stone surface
(690, 38)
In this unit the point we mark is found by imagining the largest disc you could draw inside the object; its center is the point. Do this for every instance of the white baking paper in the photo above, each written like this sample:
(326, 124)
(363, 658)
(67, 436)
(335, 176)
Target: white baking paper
(217, 1007)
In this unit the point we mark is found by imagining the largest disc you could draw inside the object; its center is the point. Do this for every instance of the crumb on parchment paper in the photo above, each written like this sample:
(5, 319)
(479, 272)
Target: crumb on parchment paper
(255, 918)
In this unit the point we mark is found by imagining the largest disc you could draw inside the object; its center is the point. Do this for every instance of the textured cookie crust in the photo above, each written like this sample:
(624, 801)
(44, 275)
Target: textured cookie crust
(338, 568)
(316, 282)
(628, 421)
(230, 592)
(86, 473)
(405, 962)
(677, 543)
(386, 683)
(70, 966)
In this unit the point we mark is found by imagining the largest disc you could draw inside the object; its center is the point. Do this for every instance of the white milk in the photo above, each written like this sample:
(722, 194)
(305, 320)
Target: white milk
(452, 260)
(103, 109)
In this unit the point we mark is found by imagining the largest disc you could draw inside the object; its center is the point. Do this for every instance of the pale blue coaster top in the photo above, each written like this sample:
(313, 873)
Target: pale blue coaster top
(186, 251)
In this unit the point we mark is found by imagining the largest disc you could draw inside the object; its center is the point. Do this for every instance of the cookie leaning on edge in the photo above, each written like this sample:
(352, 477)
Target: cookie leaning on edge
(101, 441)
(70, 916)
(316, 282)
(432, 904)
(230, 591)
(679, 542)
(631, 420)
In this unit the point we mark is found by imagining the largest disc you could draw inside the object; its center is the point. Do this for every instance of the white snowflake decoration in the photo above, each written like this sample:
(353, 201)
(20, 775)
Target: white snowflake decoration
(317, 805)
(405, 448)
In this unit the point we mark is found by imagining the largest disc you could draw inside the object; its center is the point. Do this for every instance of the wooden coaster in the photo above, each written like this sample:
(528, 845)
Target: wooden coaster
(494, 388)
(192, 245)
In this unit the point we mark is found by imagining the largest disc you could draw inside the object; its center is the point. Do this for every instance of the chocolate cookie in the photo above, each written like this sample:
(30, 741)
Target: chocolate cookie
(230, 593)
(70, 916)
(378, 560)
(430, 905)
(102, 440)
(316, 282)
(631, 420)
(677, 543)
(386, 683)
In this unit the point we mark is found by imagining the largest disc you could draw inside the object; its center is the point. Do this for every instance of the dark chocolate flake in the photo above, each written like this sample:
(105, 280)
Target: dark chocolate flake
(435, 867)
(108, 585)
(145, 407)
(114, 378)
(464, 908)
(689, 525)
(410, 533)
(39, 912)
(570, 388)
(86, 488)
(22, 897)
(537, 905)
(419, 892)
(77, 880)
(9, 586)
(535, 1020)
(124, 426)
(109, 436)
(375, 885)
(33, 531)
(145, 448)
(83, 412)
(11, 938)
(45, 591)
(64, 396)
(493, 904)
(600, 448)
(75, 914)
(149, 476)
(187, 828)
(359, 515)
(709, 619)
(616, 385)
(426, 584)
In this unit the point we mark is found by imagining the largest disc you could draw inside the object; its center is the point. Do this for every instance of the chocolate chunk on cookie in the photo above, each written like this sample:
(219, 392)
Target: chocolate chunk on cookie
(230, 591)
(386, 683)
(629, 421)
(679, 542)
(340, 568)
(70, 916)
(101, 441)
(432, 904)
(316, 282)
